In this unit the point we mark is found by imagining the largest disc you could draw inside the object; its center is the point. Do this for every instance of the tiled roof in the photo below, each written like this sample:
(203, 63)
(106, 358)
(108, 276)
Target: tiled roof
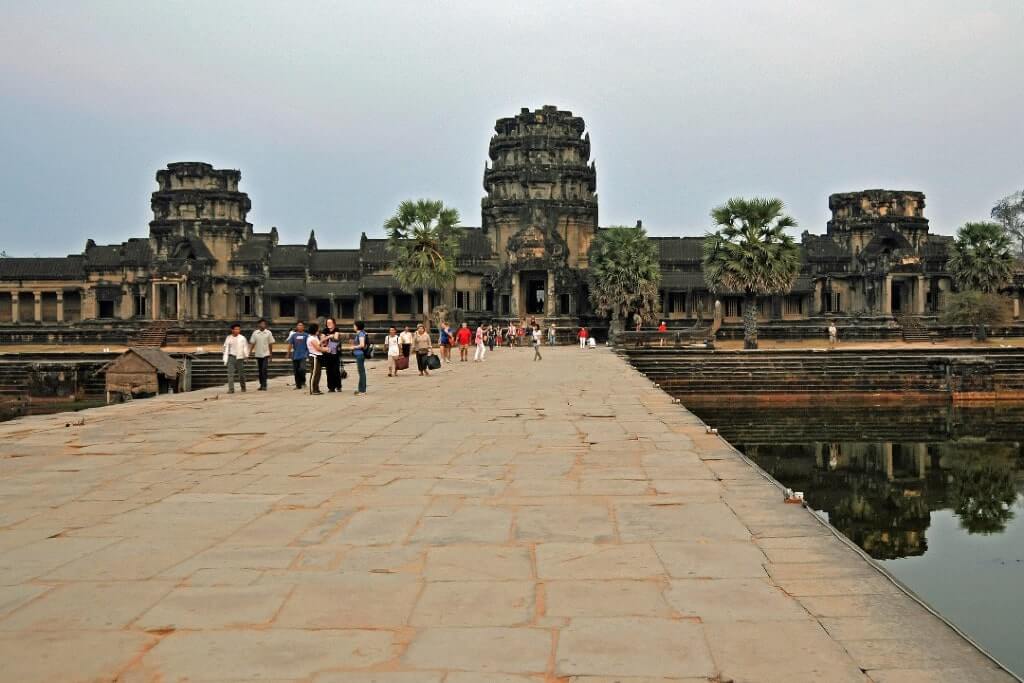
(134, 252)
(284, 286)
(289, 256)
(59, 268)
(679, 249)
(254, 249)
(375, 251)
(379, 282)
(822, 247)
(473, 243)
(334, 260)
(682, 279)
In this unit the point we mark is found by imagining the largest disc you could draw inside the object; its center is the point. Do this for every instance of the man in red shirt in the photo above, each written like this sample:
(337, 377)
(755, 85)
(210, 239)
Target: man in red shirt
(583, 337)
(463, 337)
(662, 328)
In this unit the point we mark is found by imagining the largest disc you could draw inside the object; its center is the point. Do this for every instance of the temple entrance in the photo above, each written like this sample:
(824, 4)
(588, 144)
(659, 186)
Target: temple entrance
(168, 297)
(897, 296)
(535, 292)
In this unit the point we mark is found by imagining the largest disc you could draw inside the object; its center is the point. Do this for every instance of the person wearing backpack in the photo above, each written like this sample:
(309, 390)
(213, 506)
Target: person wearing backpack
(359, 349)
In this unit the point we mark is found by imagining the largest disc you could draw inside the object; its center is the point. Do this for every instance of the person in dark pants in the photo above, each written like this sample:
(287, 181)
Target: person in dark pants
(236, 350)
(359, 351)
(299, 350)
(262, 343)
(330, 343)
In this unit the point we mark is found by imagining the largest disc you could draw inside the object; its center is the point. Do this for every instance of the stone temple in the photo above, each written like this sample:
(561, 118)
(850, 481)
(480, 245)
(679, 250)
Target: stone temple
(203, 264)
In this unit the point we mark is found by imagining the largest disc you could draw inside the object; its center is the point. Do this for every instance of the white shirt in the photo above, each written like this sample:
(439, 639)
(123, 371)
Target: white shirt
(313, 350)
(392, 343)
(405, 337)
(235, 346)
(261, 341)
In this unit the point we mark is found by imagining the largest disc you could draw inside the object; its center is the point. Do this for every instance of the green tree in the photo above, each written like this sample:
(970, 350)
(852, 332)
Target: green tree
(980, 261)
(981, 489)
(751, 253)
(1009, 213)
(624, 274)
(423, 239)
(980, 310)
(980, 257)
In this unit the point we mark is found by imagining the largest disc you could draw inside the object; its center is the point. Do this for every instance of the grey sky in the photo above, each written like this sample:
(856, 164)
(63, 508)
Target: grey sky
(335, 111)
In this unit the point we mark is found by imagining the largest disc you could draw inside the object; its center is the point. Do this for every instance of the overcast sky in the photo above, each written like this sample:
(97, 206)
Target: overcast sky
(336, 111)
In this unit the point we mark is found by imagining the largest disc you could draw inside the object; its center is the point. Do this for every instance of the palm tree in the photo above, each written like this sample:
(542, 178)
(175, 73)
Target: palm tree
(624, 274)
(980, 258)
(751, 253)
(981, 264)
(423, 238)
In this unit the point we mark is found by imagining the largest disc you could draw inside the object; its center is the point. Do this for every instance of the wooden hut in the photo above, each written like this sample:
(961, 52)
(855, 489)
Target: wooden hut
(141, 371)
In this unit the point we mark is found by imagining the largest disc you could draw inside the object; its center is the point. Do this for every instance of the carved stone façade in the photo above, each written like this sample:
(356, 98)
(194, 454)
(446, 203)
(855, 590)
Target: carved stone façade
(202, 260)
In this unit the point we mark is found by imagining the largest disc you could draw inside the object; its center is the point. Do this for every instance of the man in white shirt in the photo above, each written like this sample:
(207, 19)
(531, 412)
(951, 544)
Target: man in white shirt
(236, 350)
(262, 342)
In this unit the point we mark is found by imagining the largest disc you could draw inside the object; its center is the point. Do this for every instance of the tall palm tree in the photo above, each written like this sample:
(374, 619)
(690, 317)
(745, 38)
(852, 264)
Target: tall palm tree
(423, 238)
(981, 258)
(752, 254)
(624, 274)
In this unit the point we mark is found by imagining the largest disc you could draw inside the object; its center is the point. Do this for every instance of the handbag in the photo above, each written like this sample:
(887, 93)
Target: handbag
(433, 362)
(402, 363)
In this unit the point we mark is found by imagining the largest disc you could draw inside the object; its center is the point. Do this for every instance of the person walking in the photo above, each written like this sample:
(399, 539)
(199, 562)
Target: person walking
(359, 344)
(536, 344)
(582, 334)
(316, 361)
(481, 349)
(444, 340)
(236, 350)
(510, 335)
(833, 334)
(298, 349)
(552, 334)
(463, 337)
(262, 343)
(394, 350)
(330, 342)
(662, 331)
(406, 341)
(489, 337)
(421, 347)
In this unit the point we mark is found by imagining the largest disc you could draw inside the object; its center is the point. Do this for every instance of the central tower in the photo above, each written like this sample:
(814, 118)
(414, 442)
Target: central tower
(540, 212)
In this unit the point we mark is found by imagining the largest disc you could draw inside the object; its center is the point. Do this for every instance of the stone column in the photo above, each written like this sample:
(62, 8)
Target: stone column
(1016, 307)
(922, 299)
(180, 300)
(391, 304)
(60, 305)
(551, 305)
(88, 304)
(887, 295)
(15, 306)
(819, 298)
(38, 310)
(515, 296)
(154, 308)
(666, 299)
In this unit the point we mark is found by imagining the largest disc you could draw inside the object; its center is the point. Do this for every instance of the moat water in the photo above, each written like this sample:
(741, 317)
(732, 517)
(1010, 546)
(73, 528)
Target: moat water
(934, 494)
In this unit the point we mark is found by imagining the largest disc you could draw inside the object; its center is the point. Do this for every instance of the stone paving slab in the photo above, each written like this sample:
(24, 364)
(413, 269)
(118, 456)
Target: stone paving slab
(498, 522)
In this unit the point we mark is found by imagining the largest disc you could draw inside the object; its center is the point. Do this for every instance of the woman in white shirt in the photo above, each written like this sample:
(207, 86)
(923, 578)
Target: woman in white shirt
(316, 358)
(393, 344)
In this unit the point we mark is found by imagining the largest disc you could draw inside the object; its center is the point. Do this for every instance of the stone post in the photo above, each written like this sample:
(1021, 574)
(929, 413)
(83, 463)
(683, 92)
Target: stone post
(887, 296)
(60, 305)
(515, 296)
(15, 306)
(154, 309)
(38, 310)
(88, 304)
(550, 305)
(921, 296)
(391, 304)
(179, 300)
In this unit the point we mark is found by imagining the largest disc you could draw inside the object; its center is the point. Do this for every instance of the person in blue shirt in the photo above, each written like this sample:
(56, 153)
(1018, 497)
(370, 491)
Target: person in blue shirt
(359, 345)
(298, 347)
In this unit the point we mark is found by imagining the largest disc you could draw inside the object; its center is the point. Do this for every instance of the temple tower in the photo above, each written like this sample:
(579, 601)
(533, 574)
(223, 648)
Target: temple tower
(198, 206)
(540, 212)
(859, 217)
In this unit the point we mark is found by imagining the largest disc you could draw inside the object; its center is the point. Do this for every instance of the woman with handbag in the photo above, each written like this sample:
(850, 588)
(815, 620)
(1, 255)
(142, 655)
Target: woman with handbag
(330, 342)
(421, 346)
(394, 346)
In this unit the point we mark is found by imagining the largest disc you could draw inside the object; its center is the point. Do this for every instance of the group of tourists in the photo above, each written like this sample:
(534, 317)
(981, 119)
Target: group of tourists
(312, 351)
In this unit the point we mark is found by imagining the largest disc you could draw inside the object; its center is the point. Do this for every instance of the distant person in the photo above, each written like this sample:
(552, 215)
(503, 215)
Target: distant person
(591, 343)
(444, 341)
(490, 335)
(637, 321)
(421, 347)
(359, 345)
(262, 342)
(510, 334)
(316, 362)
(405, 338)
(552, 334)
(833, 333)
(298, 349)
(536, 344)
(662, 329)
(463, 337)
(236, 350)
(330, 341)
(481, 347)
(394, 351)
(582, 334)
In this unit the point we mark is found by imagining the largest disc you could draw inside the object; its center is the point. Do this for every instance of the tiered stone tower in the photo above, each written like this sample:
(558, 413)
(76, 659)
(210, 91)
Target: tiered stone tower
(540, 212)
(859, 217)
(197, 202)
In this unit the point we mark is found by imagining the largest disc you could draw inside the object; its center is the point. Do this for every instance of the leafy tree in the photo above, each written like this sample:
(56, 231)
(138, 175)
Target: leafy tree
(624, 274)
(981, 264)
(423, 238)
(980, 257)
(752, 254)
(981, 310)
(1009, 213)
(982, 490)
